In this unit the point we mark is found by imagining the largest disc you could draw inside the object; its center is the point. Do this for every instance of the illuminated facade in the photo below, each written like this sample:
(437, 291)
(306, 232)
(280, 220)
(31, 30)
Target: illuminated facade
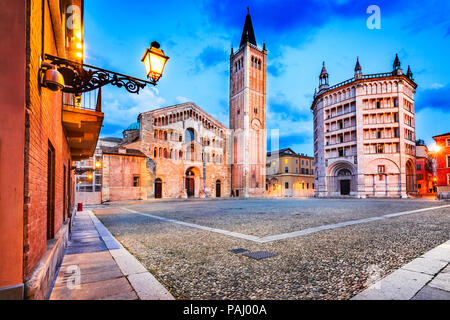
(364, 135)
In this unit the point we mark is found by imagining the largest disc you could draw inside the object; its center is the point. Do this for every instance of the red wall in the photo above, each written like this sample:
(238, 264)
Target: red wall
(43, 125)
(12, 119)
(441, 160)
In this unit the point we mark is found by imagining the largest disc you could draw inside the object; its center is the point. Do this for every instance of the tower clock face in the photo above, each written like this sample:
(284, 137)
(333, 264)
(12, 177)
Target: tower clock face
(256, 124)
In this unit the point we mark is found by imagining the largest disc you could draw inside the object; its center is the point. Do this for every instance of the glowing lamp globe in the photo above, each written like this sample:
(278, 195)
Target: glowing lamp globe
(154, 61)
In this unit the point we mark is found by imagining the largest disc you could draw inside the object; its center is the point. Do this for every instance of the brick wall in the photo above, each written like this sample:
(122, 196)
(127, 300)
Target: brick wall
(43, 126)
(117, 179)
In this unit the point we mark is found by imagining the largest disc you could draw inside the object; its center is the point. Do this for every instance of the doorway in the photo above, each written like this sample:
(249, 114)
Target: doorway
(345, 187)
(158, 188)
(218, 188)
(190, 183)
(50, 192)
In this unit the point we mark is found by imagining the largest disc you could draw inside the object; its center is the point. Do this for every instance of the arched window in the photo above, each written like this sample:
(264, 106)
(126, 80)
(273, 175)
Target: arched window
(190, 135)
(344, 172)
(155, 152)
(180, 155)
(165, 135)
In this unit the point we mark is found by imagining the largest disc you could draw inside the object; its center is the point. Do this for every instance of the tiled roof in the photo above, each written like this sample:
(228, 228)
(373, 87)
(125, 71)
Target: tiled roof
(128, 152)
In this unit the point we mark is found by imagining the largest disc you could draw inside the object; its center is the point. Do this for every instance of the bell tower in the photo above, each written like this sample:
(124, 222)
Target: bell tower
(248, 114)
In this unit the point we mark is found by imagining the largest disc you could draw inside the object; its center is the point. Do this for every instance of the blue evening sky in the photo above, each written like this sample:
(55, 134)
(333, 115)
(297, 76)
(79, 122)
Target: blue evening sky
(299, 35)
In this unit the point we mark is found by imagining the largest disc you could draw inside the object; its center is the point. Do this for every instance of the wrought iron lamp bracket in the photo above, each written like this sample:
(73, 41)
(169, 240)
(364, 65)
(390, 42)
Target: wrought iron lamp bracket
(80, 78)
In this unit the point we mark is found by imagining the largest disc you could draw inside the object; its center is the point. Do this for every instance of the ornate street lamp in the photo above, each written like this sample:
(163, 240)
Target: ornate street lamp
(154, 61)
(77, 78)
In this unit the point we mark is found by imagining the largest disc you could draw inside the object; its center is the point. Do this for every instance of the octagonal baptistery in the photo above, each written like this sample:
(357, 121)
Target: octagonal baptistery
(364, 135)
(188, 152)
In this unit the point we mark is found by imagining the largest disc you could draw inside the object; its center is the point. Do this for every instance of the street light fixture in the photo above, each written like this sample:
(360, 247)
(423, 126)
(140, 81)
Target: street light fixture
(77, 78)
(98, 164)
(154, 61)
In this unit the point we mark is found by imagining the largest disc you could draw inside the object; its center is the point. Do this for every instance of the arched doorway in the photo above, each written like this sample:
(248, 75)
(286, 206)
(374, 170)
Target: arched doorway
(344, 178)
(341, 180)
(218, 189)
(158, 188)
(410, 177)
(190, 183)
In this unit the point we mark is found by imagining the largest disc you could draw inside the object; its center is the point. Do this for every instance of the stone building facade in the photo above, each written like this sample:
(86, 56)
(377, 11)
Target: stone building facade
(187, 150)
(289, 174)
(364, 135)
(124, 174)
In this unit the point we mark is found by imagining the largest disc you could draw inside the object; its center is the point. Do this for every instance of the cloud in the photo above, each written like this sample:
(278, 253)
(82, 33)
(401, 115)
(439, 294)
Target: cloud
(122, 109)
(210, 57)
(431, 122)
(180, 99)
(276, 69)
(436, 97)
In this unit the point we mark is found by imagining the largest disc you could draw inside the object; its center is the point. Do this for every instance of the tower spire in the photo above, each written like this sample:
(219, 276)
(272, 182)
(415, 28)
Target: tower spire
(409, 73)
(358, 69)
(248, 35)
(396, 62)
(357, 66)
(323, 78)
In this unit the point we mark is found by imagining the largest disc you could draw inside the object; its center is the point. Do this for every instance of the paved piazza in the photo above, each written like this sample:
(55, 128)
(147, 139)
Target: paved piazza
(327, 249)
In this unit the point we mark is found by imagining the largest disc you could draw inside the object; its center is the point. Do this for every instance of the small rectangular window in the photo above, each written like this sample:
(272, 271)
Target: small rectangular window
(381, 169)
(286, 185)
(286, 169)
(136, 181)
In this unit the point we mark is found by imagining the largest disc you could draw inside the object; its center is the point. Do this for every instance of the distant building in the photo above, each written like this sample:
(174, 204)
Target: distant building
(117, 177)
(443, 166)
(424, 171)
(289, 174)
(364, 135)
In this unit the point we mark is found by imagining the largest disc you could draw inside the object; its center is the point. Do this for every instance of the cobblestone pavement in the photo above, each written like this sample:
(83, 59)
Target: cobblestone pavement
(97, 267)
(337, 263)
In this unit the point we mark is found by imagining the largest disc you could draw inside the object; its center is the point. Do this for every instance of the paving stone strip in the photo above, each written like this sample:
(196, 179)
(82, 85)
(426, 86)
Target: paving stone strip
(96, 266)
(425, 278)
(285, 235)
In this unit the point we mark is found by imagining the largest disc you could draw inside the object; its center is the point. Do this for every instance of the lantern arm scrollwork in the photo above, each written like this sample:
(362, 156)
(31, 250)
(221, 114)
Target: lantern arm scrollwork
(81, 78)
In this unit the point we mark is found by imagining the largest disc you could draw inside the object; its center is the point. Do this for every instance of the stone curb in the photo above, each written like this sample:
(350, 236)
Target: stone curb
(406, 282)
(142, 281)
